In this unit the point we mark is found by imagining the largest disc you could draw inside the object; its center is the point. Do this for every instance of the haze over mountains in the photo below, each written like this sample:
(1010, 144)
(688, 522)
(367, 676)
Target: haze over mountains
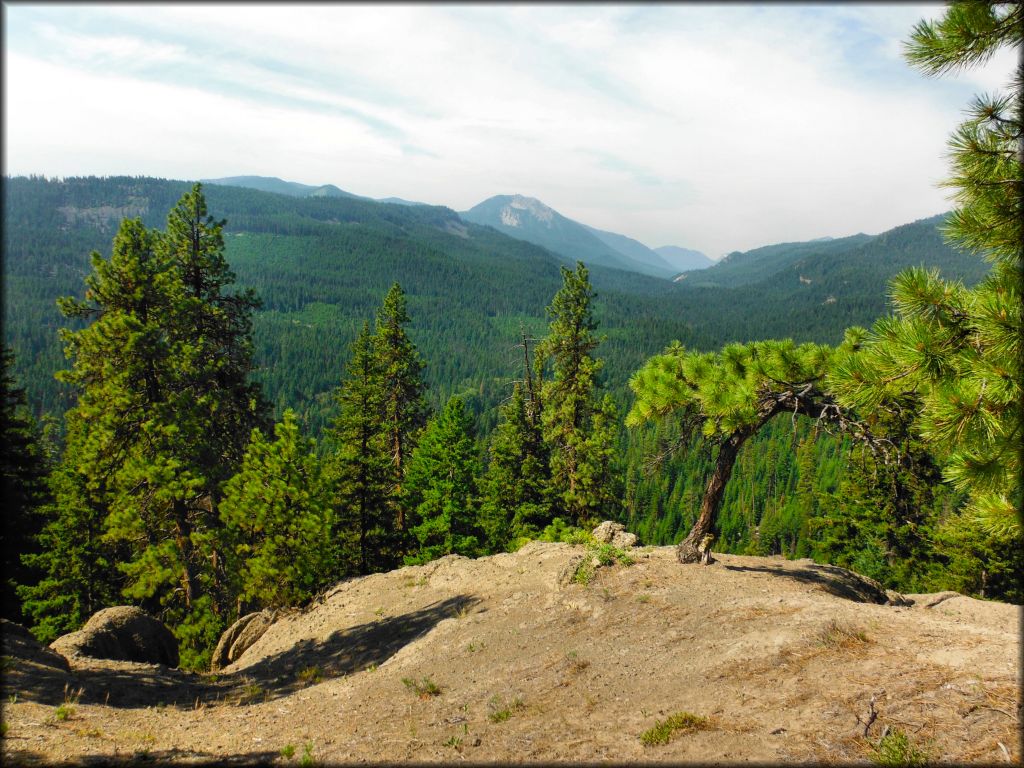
(322, 263)
(524, 218)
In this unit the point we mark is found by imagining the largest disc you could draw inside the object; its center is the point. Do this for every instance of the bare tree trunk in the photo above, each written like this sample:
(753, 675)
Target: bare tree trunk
(183, 535)
(687, 551)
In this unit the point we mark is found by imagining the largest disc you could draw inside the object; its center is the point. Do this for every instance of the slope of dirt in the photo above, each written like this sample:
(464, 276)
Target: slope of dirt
(782, 658)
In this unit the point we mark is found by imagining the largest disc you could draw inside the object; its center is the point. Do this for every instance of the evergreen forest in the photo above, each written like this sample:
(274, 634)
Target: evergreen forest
(218, 399)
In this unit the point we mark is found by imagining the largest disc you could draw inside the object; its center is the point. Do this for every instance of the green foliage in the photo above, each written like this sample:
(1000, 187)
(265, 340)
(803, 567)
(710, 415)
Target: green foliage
(578, 426)
(440, 488)
(517, 502)
(896, 749)
(24, 466)
(360, 465)
(424, 688)
(276, 513)
(664, 730)
(502, 709)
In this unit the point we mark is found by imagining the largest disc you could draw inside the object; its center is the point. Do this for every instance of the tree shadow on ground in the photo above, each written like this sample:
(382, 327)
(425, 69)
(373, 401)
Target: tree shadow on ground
(831, 578)
(349, 650)
(24, 757)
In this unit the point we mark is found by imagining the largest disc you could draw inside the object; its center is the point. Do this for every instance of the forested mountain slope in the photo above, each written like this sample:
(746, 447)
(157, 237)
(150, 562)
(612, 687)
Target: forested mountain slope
(322, 264)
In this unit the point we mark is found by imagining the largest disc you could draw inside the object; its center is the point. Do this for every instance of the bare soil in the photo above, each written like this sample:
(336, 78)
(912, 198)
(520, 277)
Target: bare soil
(781, 657)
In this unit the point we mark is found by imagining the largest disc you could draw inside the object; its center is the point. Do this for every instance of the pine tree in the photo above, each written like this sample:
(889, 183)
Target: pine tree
(276, 512)
(361, 465)
(403, 407)
(441, 487)
(24, 467)
(163, 400)
(728, 397)
(959, 349)
(578, 427)
(517, 505)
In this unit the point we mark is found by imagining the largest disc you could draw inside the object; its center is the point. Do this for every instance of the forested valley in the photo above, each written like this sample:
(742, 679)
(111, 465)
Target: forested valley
(241, 398)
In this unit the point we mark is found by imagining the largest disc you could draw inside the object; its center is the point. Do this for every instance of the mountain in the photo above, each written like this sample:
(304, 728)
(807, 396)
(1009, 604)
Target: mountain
(526, 218)
(323, 264)
(747, 267)
(634, 250)
(280, 186)
(683, 259)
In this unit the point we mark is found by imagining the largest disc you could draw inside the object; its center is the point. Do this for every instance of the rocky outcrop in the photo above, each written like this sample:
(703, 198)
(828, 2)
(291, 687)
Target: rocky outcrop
(239, 637)
(121, 633)
(613, 533)
(19, 643)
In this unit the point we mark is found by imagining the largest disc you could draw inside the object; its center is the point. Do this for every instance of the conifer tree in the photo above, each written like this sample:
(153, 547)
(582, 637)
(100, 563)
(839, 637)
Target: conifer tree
(361, 465)
(276, 511)
(403, 406)
(517, 482)
(578, 427)
(24, 467)
(959, 349)
(163, 400)
(727, 397)
(441, 487)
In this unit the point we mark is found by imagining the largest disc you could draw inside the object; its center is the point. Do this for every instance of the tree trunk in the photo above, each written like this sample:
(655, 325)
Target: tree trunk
(687, 551)
(183, 535)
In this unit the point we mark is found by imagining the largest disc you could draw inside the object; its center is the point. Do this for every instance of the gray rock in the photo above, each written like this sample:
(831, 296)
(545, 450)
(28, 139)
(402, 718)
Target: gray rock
(624, 540)
(121, 633)
(239, 637)
(606, 531)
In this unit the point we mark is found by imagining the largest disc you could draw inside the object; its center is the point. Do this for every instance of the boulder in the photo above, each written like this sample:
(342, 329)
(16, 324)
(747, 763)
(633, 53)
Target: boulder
(19, 643)
(624, 540)
(121, 633)
(613, 533)
(239, 637)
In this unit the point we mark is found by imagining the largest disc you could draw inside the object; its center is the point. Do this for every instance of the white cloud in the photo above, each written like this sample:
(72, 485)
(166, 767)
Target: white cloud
(715, 127)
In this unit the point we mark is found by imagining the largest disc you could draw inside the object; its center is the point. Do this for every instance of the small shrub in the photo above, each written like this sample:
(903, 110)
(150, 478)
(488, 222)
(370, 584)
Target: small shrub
(455, 742)
(425, 689)
(288, 751)
(895, 749)
(643, 598)
(503, 710)
(3, 729)
(310, 675)
(664, 730)
(836, 635)
(307, 760)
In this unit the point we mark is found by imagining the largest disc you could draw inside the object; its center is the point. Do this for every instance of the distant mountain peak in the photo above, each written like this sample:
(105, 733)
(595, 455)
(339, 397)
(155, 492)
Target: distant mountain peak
(511, 213)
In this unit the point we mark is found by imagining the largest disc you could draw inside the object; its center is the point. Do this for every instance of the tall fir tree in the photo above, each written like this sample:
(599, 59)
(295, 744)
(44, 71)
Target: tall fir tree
(361, 465)
(441, 491)
(403, 405)
(578, 426)
(24, 468)
(163, 400)
(517, 483)
(277, 515)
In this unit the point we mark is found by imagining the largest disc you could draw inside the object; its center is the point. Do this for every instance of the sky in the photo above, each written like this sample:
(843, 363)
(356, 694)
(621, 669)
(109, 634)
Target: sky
(714, 127)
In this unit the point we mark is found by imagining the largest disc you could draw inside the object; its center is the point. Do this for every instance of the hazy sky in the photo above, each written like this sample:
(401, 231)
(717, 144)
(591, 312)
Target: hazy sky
(716, 127)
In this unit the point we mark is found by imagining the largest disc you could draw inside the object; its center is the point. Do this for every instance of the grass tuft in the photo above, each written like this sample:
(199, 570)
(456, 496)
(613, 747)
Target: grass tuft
(664, 730)
(425, 689)
(895, 749)
(836, 635)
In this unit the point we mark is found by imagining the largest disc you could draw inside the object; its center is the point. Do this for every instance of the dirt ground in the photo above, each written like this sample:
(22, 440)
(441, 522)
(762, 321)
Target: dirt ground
(506, 659)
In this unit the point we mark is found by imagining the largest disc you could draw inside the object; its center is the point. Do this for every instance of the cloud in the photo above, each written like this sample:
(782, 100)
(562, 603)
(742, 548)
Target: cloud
(715, 127)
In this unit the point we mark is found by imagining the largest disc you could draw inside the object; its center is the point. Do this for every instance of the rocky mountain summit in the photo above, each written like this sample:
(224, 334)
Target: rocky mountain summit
(555, 652)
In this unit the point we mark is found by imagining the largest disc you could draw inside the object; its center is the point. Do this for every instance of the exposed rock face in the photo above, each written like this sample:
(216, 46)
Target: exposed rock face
(237, 638)
(19, 643)
(121, 633)
(615, 534)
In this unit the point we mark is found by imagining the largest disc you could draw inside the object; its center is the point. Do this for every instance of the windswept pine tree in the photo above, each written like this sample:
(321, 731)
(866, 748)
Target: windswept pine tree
(578, 424)
(727, 397)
